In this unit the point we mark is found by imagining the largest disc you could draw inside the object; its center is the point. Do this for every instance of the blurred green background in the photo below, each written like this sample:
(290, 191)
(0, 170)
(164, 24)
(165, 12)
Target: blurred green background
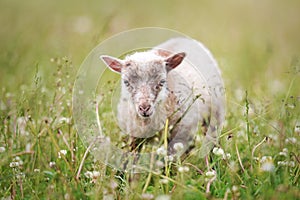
(255, 42)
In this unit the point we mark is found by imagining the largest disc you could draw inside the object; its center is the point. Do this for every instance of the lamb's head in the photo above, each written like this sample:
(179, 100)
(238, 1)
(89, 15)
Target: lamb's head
(144, 78)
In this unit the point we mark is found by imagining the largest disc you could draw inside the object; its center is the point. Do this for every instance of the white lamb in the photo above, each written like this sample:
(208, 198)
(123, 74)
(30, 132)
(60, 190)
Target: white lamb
(162, 84)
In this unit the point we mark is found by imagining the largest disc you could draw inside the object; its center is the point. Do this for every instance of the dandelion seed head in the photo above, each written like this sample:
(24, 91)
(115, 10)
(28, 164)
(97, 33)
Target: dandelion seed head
(178, 146)
(267, 164)
(161, 151)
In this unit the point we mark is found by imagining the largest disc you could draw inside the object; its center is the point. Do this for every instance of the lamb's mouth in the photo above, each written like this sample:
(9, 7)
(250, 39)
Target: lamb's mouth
(145, 115)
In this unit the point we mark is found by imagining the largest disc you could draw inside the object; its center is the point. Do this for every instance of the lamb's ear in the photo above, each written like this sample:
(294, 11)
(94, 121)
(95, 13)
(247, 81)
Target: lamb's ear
(174, 60)
(114, 64)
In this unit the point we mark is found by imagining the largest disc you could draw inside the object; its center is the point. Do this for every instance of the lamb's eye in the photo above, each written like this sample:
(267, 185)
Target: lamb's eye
(162, 82)
(126, 83)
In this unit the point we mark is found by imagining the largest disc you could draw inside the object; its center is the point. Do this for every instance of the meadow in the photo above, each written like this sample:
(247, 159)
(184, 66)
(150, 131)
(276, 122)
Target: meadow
(257, 46)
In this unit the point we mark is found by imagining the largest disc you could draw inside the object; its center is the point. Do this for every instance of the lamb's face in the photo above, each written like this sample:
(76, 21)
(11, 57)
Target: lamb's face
(146, 84)
(144, 78)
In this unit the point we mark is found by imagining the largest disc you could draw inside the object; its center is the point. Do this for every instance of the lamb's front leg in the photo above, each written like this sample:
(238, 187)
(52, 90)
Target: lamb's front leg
(181, 140)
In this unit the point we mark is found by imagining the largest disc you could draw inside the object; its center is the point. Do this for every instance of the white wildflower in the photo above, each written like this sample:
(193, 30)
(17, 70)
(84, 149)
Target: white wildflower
(28, 147)
(21, 123)
(52, 164)
(183, 169)
(178, 146)
(62, 152)
(267, 164)
(88, 174)
(147, 196)
(164, 181)
(96, 174)
(228, 156)
(161, 151)
(37, 170)
(2, 149)
(13, 164)
(169, 158)
(284, 152)
(16, 162)
(291, 140)
(286, 163)
(235, 188)
(291, 164)
(20, 175)
(218, 151)
(210, 174)
(63, 120)
(297, 128)
(67, 196)
(92, 174)
(159, 164)
(163, 197)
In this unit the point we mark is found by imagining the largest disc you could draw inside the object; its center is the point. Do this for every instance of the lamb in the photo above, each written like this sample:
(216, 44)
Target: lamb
(161, 84)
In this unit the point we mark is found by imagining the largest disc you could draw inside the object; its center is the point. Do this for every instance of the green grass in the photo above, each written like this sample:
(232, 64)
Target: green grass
(257, 45)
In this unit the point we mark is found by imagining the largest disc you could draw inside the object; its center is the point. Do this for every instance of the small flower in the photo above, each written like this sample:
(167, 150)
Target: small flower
(164, 181)
(183, 169)
(163, 197)
(159, 164)
(147, 196)
(20, 175)
(218, 151)
(52, 164)
(13, 164)
(161, 151)
(297, 128)
(178, 146)
(37, 170)
(235, 188)
(62, 152)
(210, 174)
(88, 174)
(16, 162)
(63, 120)
(92, 175)
(286, 163)
(2, 149)
(284, 152)
(291, 140)
(169, 158)
(267, 164)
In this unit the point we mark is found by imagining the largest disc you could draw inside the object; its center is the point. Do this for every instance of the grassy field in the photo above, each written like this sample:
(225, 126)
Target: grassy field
(257, 45)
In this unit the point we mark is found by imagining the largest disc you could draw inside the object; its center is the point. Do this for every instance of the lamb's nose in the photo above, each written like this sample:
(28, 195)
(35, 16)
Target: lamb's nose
(144, 107)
